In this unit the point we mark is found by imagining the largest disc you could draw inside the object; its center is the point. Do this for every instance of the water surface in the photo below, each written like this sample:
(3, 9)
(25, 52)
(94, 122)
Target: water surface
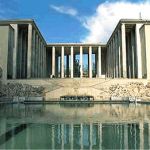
(100, 126)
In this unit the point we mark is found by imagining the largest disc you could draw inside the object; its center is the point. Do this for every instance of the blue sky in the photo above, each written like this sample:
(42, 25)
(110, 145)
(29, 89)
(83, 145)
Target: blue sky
(73, 20)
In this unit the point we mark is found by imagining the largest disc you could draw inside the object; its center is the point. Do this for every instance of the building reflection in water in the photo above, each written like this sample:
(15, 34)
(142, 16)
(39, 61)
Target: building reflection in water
(31, 132)
(83, 136)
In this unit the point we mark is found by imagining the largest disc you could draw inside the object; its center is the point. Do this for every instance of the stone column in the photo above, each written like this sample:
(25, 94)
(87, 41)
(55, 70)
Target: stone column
(72, 61)
(81, 64)
(114, 57)
(108, 61)
(90, 62)
(38, 56)
(56, 66)
(123, 41)
(41, 60)
(29, 51)
(15, 26)
(62, 62)
(111, 58)
(44, 61)
(33, 54)
(53, 60)
(116, 47)
(67, 70)
(138, 48)
(133, 53)
(45, 65)
(99, 62)
(119, 54)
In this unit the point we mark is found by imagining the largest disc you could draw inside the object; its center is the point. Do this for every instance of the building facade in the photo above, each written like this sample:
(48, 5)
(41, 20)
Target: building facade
(24, 53)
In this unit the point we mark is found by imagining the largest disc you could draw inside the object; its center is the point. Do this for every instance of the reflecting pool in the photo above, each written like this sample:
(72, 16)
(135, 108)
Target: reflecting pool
(100, 126)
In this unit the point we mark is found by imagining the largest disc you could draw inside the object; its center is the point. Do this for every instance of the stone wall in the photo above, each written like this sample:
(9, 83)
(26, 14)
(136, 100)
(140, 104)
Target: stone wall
(11, 90)
(101, 89)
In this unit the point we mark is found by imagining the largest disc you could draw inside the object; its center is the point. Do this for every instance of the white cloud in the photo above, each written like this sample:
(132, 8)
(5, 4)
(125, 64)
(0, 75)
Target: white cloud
(65, 10)
(103, 22)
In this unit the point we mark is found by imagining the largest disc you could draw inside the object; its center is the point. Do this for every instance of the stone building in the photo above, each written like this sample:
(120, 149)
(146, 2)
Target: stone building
(24, 53)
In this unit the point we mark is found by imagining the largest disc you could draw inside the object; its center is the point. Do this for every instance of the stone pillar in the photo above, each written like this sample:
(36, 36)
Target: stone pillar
(36, 57)
(99, 62)
(29, 51)
(33, 54)
(119, 54)
(114, 57)
(72, 60)
(138, 48)
(116, 47)
(133, 53)
(90, 62)
(15, 26)
(81, 64)
(56, 66)
(62, 62)
(53, 60)
(41, 65)
(108, 61)
(44, 61)
(45, 65)
(123, 41)
(111, 59)
(67, 70)
(38, 62)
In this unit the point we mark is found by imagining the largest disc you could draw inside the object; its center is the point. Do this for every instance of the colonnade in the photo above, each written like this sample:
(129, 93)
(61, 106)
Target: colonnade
(72, 52)
(37, 61)
(29, 53)
(124, 52)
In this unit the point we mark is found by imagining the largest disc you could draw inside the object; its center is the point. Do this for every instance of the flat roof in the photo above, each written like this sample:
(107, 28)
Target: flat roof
(75, 44)
(127, 21)
(23, 21)
(26, 21)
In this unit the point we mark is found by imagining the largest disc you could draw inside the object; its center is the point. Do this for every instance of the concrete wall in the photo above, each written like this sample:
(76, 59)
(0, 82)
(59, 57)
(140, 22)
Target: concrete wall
(4, 36)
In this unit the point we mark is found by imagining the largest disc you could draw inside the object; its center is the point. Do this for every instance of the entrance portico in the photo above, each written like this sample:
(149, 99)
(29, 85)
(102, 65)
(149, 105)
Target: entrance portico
(76, 60)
